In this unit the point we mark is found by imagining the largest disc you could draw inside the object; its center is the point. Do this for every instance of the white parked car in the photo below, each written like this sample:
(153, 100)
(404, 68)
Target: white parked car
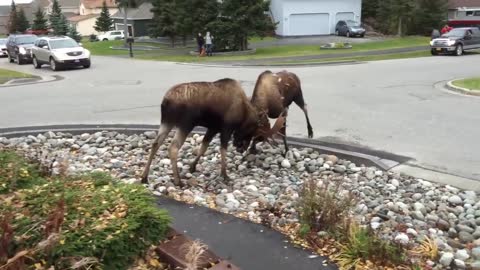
(111, 35)
(59, 52)
(3, 47)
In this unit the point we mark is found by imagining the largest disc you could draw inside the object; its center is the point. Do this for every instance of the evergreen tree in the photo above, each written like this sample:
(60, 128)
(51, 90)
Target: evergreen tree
(104, 22)
(22, 21)
(40, 22)
(369, 8)
(239, 20)
(429, 15)
(73, 33)
(164, 21)
(58, 22)
(12, 20)
(200, 14)
(394, 16)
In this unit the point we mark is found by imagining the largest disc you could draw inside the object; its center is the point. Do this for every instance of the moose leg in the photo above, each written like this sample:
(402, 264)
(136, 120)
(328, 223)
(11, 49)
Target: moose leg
(253, 147)
(206, 141)
(162, 135)
(224, 139)
(177, 143)
(283, 131)
(301, 103)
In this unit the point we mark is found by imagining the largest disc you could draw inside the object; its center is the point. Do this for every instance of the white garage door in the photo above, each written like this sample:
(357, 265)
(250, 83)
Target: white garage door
(343, 16)
(309, 24)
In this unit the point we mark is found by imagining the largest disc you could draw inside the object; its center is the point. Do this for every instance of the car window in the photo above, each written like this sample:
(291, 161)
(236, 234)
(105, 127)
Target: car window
(455, 33)
(116, 33)
(63, 43)
(25, 40)
(352, 23)
(43, 43)
(476, 32)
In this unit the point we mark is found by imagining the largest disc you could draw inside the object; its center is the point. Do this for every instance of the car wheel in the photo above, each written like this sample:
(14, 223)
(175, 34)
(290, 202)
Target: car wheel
(459, 50)
(434, 52)
(348, 34)
(54, 65)
(19, 60)
(87, 65)
(105, 39)
(362, 35)
(10, 59)
(35, 63)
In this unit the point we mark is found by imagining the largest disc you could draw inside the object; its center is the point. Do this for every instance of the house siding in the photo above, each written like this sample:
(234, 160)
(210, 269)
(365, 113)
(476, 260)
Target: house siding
(328, 11)
(140, 27)
(86, 27)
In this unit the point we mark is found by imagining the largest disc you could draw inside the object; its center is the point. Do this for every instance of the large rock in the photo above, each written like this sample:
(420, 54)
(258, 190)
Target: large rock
(446, 259)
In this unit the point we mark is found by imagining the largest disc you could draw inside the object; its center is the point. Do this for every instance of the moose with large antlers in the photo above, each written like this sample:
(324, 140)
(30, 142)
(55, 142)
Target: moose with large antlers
(220, 106)
(273, 94)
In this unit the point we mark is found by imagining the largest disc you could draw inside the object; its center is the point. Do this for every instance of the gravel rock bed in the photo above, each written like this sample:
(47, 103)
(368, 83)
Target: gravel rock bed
(266, 186)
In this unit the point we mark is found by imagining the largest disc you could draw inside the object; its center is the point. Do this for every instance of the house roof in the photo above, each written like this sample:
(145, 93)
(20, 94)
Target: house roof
(80, 18)
(141, 13)
(69, 3)
(454, 4)
(98, 3)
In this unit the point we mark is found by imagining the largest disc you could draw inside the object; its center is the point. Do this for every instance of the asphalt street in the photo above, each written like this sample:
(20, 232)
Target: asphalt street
(396, 106)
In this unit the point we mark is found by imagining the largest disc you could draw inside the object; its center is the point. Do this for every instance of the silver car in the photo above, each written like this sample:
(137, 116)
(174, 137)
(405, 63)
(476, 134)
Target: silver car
(3, 47)
(59, 52)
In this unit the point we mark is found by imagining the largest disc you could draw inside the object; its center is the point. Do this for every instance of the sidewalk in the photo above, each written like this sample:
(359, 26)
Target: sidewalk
(249, 246)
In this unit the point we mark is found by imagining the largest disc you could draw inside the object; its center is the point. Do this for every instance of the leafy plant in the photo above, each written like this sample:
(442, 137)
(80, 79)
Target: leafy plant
(86, 220)
(321, 207)
(427, 249)
(16, 172)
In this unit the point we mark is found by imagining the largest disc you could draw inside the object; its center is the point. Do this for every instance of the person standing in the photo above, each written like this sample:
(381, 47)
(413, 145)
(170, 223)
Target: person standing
(209, 43)
(200, 43)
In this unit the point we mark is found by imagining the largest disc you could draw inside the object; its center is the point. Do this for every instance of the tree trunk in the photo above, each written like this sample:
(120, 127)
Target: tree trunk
(400, 26)
(185, 40)
(125, 25)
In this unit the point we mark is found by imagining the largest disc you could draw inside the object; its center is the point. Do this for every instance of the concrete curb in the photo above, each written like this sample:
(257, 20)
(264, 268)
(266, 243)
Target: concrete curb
(367, 157)
(40, 79)
(450, 86)
(233, 65)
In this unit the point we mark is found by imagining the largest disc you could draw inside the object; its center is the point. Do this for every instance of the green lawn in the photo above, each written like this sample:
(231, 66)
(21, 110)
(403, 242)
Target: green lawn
(181, 54)
(358, 58)
(7, 75)
(471, 84)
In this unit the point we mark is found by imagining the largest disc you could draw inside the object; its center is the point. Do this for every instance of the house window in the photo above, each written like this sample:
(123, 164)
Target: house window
(469, 13)
(477, 13)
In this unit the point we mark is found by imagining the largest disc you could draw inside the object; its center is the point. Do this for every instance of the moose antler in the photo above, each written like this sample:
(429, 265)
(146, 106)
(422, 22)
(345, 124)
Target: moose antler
(266, 133)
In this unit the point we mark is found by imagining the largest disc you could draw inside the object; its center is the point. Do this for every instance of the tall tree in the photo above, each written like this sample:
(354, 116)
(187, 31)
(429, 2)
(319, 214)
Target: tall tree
(40, 22)
(239, 20)
(104, 22)
(22, 21)
(200, 14)
(394, 15)
(73, 33)
(58, 22)
(12, 20)
(369, 8)
(165, 19)
(429, 15)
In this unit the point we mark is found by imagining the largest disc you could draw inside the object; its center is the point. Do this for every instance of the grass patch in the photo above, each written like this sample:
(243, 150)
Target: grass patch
(471, 84)
(181, 54)
(7, 75)
(359, 58)
(65, 221)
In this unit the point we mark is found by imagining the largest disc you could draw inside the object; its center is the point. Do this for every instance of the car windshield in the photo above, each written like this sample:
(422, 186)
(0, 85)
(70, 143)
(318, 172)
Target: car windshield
(455, 33)
(26, 40)
(3, 41)
(353, 23)
(63, 43)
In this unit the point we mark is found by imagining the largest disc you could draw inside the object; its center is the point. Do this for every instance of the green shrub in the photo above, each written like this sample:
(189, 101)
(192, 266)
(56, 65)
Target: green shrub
(16, 172)
(322, 208)
(89, 217)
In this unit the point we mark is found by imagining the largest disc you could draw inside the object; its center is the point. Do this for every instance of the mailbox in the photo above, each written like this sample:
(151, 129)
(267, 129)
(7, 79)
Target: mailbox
(130, 40)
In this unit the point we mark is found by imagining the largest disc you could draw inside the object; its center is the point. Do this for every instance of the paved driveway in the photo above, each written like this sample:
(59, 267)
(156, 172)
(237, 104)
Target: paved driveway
(388, 105)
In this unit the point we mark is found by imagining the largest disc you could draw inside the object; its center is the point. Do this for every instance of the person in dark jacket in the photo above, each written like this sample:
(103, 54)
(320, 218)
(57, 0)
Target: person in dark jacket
(435, 34)
(200, 43)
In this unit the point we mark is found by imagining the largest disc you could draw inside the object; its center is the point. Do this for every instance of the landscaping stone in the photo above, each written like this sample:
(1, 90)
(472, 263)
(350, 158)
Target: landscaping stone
(266, 187)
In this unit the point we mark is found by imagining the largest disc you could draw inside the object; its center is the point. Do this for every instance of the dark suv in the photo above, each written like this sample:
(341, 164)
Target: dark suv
(19, 48)
(456, 41)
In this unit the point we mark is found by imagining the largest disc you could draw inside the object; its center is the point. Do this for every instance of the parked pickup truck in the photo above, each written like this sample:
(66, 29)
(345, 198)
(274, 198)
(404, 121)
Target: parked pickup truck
(456, 41)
